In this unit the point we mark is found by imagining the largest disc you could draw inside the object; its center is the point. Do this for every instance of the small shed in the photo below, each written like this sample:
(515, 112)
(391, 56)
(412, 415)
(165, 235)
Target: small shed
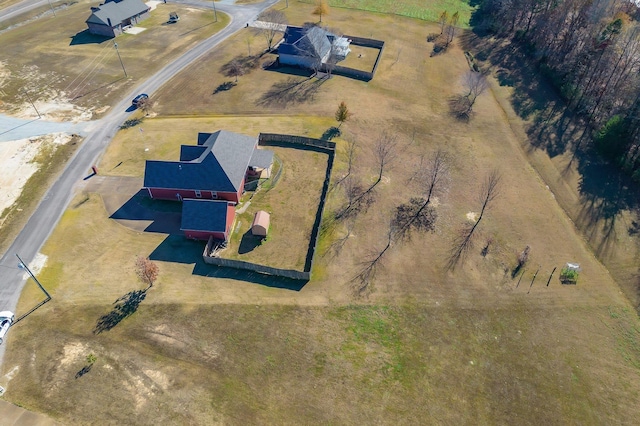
(260, 225)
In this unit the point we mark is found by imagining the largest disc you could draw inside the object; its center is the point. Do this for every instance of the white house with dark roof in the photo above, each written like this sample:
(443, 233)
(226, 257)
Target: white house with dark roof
(111, 18)
(312, 46)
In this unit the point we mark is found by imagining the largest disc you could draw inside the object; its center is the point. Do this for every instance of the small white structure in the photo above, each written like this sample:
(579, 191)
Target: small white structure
(260, 225)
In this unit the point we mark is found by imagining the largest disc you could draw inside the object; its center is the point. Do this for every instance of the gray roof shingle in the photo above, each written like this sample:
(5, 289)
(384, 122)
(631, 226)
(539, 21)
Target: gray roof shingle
(204, 215)
(117, 11)
(261, 158)
(221, 166)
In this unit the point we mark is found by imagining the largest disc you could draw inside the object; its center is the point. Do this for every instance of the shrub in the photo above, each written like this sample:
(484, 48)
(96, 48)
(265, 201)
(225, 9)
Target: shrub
(568, 275)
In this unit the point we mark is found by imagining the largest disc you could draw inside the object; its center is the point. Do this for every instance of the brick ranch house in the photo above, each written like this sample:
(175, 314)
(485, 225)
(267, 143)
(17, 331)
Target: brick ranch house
(112, 17)
(210, 179)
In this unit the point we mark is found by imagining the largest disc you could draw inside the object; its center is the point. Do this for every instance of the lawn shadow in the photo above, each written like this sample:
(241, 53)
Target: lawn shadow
(85, 37)
(605, 193)
(179, 249)
(84, 370)
(291, 91)
(224, 87)
(249, 242)
(330, 133)
(165, 216)
(125, 306)
(205, 270)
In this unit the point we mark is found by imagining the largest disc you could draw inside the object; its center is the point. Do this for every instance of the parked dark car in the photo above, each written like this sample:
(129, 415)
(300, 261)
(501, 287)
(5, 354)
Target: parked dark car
(139, 98)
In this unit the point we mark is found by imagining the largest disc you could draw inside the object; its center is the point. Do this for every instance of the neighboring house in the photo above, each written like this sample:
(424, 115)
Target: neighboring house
(216, 168)
(310, 47)
(209, 179)
(202, 219)
(111, 18)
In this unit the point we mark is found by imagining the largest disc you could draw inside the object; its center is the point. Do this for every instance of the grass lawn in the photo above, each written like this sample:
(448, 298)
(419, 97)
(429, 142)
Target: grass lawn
(425, 344)
(429, 11)
(43, 50)
(275, 364)
(291, 207)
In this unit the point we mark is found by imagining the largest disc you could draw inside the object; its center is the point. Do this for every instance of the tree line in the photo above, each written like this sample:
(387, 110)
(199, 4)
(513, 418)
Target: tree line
(590, 50)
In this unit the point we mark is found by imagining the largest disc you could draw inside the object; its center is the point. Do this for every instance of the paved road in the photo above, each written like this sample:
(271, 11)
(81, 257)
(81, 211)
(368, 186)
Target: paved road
(55, 201)
(12, 128)
(19, 8)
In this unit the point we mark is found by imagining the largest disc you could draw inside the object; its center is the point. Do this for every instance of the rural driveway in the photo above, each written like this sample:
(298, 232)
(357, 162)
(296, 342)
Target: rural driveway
(48, 213)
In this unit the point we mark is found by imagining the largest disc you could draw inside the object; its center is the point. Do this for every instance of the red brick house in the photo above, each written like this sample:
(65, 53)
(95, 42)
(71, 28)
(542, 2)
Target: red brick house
(214, 169)
(209, 178)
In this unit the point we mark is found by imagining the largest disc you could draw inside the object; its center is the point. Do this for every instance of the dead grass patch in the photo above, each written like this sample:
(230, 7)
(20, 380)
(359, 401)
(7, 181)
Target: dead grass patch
(292, 204)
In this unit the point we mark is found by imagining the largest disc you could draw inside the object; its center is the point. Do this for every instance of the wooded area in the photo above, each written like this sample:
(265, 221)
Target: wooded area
(590, 51)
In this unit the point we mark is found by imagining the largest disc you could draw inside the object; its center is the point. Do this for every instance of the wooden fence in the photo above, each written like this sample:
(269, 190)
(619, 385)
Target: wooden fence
(298, 142)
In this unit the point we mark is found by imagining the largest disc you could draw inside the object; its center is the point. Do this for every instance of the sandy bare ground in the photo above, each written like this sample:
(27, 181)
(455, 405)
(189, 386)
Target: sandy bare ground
(17, 164)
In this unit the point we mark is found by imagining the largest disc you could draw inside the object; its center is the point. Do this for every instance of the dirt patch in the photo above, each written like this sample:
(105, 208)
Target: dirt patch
(17, 164)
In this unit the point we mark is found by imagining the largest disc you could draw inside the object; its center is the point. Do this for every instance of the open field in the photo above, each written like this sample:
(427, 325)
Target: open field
(603, 204)
(275, 364)
(428, 11)
(42, 51)
(425, 344)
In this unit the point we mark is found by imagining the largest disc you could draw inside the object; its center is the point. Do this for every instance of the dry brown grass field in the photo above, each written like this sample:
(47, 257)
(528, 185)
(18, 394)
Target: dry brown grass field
(56, 58)
(423, 344)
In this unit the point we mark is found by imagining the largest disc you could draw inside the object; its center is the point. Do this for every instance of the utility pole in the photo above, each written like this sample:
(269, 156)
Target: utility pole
(118, 52)
(215, 13)
(24, 266)
(32, 104)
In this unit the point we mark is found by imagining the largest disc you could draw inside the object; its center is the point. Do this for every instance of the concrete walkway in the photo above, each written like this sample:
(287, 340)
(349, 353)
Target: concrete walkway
(12, 415)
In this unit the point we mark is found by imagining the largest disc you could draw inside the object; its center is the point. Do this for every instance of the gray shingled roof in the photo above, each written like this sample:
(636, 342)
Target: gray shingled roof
(300, 41)
(261, 158)
(204, 215)
(117, 11)
(221, 167)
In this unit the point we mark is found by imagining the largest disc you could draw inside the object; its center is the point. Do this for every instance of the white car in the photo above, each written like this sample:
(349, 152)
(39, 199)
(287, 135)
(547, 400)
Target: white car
(6, 319)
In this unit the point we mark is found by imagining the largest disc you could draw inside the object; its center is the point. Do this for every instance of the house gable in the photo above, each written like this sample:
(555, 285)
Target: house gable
(203, 218)
(113, 13)
(221, 165)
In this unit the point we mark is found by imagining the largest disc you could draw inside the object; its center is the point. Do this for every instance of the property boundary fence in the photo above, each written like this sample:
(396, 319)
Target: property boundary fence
(355, 73)
(298, 142)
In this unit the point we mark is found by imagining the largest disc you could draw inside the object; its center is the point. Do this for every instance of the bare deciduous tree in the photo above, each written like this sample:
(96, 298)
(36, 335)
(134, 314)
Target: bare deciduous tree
(385, 151)
(272, 22)
(146, 105)
(146, 270)
(442, 20)
(418, 214)
(463, 242)
(234, 69)
(370, 266)
(474, 84)
(451, 28)
(359, 198)
(351, 154)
